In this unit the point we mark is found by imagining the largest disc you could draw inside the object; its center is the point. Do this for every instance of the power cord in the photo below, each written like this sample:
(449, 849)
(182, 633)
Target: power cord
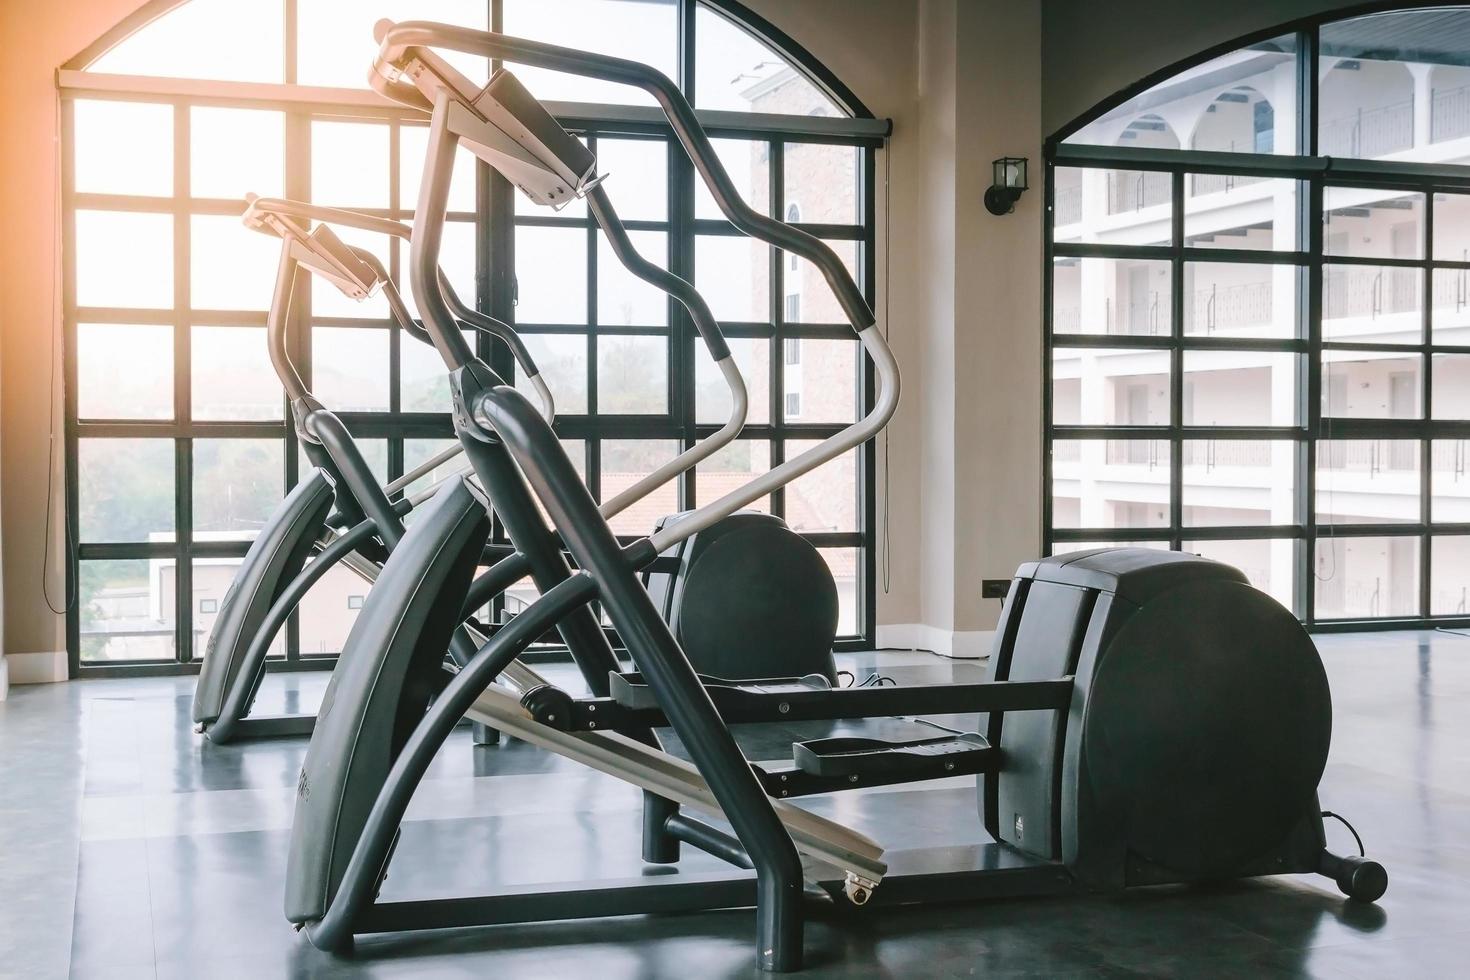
(1362, 852)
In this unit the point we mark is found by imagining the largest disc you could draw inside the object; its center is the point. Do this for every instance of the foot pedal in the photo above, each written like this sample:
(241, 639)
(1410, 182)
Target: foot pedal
(629, 690)
(929, 758)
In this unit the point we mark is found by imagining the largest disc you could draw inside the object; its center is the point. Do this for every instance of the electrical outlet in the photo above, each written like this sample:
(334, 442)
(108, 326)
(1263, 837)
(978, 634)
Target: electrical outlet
(994, 588)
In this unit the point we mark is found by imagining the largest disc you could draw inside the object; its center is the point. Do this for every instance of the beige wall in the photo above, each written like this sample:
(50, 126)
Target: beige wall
(37, 38)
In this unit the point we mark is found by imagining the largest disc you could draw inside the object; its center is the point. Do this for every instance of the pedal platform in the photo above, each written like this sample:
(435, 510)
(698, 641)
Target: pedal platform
(629, 690)
(827, 764)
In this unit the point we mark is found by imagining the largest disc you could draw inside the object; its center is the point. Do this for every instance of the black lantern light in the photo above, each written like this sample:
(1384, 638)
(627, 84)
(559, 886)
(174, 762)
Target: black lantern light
(1006, 185)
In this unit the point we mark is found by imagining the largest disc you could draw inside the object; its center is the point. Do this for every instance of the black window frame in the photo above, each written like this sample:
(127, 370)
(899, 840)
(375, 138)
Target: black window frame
(1313, 174)
(495, 221)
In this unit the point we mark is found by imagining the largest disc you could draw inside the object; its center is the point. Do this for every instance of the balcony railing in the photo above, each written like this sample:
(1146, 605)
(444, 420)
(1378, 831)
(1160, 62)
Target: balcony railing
(1068, 203)
(1369, 292)
(1136, 452)
(1368, 133)
(1449, 114)
(1128, 191)
(1213, 453)
(1246, 304)
(1370, 456)
(1214, 183)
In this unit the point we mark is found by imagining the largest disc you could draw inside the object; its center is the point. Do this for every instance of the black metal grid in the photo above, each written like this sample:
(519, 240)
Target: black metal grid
(495, 221)
(1314, 176)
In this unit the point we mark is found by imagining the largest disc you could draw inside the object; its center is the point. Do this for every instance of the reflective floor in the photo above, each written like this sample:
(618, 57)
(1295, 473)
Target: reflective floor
(131, 848)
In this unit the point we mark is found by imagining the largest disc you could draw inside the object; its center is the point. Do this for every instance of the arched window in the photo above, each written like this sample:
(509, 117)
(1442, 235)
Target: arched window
(177, 435)
(1261, 362)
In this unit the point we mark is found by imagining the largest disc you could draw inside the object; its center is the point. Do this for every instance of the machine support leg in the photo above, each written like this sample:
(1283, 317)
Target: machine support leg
(1360, 879)
(659, 846)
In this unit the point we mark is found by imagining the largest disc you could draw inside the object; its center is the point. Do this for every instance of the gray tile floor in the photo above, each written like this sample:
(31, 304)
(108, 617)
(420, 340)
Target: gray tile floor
(129, 848)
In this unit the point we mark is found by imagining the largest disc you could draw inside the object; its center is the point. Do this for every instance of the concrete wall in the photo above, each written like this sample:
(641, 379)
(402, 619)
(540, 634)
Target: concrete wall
(38, 38)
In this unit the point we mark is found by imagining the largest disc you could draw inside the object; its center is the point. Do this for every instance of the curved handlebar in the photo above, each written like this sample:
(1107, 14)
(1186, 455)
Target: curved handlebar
(258, 215)
(388, 77)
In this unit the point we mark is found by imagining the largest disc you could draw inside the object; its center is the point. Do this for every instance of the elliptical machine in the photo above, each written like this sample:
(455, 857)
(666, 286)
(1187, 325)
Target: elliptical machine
(1148, 716)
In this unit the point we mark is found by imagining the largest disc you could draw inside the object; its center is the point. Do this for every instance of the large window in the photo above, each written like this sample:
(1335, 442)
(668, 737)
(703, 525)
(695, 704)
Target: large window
(178, 440)
(1259, 342)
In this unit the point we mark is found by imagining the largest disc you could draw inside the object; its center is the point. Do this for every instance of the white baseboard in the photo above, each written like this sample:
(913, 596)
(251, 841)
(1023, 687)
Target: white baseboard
(956, 644)
(44, 667)
(4, 676)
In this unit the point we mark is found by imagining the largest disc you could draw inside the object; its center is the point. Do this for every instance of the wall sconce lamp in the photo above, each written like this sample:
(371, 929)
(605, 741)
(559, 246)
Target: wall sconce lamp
(1008, 182)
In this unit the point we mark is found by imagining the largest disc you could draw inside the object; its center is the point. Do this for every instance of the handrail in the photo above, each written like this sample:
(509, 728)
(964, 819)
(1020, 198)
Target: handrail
(264, 213)
(396, 42)
(453, 89)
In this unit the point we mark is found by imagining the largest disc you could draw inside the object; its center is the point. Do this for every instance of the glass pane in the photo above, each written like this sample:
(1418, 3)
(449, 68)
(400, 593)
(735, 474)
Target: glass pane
(632, 376)
(624, 463)
(1372, 304)
(1449, 576)
(1372, 224)
(231, 375)
(637, 177)
(332, 34)
(1240, 387)
(734, 276)
(417, 451)
(624, 300)
(562, 361)
(1368, 481)
(1451, 386)
(808, 298)
(413, 146)
(735, 71)
(1129, 207)
(211, 582)
(327, 613)
(1367, 79)
(1111, 296)
(1067, 547)
(732, 468)
(1371, 385)
(230, 266)
(826, 499)
(125, 610)
(1452, 221)
(125, 490)
(748, 162)
(125, 371)
(712, 403)
(1452, 306)
(1365, 578)
(820, 379)
(1268, 564)
(638, 30)
(237, 483)
(233, 152)
(551, 275)
(1247, 105)
(1450, 481)
(328, 300)
(125, 259)
(1234, 211)
(123, 148)
(846, 565)
(214, 39)
(423, 384)
(1110, 483)
(822, 183)
(349, 368)
(1239, 482)
(1236, 299)
(1106, 386)
(349, 164)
